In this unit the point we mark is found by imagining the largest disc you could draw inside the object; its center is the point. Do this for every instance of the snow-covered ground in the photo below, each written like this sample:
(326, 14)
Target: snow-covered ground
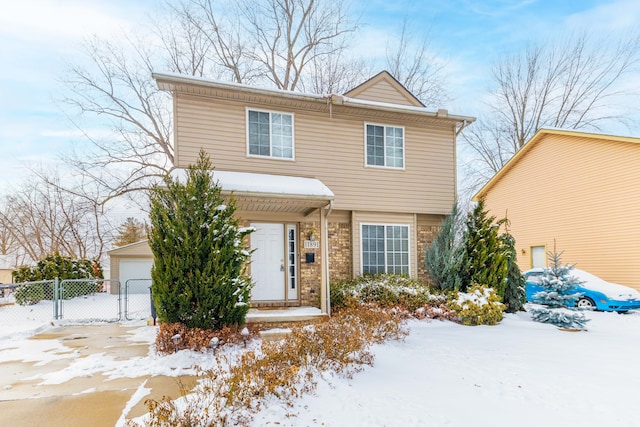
(516, 373)
(18, 320)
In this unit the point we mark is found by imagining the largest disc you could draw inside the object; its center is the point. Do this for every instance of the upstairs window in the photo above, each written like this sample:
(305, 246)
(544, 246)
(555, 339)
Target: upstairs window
(385, 146)
(270, 134)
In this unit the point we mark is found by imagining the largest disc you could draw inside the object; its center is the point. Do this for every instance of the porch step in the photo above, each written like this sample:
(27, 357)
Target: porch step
(285, 315)
(274, 334)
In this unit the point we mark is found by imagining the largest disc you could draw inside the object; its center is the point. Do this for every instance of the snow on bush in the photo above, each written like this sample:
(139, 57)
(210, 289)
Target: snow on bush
(480, 306)
(385, 290)
(237, 387)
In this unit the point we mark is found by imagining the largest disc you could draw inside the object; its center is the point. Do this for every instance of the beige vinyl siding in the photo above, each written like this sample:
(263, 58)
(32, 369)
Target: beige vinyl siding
(329, 145)
(359, 218)
(581, 192)
(383, 91)
(133, 251)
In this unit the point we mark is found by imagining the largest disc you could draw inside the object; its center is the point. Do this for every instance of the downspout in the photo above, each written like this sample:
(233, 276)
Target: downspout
(465, 123)
(326, 254)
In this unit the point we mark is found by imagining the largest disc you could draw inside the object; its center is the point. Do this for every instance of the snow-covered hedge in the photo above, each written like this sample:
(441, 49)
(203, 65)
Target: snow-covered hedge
(480, 306)
(385, 291)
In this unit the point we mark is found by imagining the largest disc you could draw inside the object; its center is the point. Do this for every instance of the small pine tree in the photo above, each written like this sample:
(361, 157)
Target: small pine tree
(484, 258)
(199, 274)
(130, 231)
(443, 258)
(558, 296)
(515, 295)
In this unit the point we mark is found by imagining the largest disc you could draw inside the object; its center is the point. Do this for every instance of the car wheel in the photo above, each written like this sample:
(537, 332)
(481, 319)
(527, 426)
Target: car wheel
(587, 303)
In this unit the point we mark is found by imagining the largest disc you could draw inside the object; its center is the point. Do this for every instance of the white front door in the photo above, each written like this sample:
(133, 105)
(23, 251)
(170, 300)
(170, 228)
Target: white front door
(268, 262)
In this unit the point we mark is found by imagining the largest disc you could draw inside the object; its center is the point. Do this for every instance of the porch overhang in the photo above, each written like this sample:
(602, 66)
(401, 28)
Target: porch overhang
(257, 192)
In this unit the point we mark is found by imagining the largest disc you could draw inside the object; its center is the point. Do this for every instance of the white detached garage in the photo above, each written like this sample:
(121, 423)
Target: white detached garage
(132, 263)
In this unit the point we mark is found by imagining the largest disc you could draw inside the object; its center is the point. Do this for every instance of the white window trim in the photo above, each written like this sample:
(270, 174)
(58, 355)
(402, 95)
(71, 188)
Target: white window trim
(292, 293)
(362, 224)
(293, 132)
(404, 146)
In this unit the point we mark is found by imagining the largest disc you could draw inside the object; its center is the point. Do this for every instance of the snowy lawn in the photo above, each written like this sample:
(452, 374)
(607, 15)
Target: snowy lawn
(516, 373)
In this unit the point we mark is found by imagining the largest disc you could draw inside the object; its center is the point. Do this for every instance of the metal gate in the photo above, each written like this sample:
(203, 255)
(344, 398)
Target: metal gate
(137, 299)
(82, 300)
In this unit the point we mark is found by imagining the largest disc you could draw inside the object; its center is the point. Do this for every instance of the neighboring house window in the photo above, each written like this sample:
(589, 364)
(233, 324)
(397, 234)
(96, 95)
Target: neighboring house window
(538, 257)
(385, 249)
(385, 146)
(270, 134)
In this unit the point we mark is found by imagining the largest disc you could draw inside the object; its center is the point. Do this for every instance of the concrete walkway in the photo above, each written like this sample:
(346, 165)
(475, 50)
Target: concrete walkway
(25, 399)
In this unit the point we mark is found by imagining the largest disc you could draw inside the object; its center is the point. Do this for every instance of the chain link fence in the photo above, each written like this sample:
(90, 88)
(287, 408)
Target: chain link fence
(137, 299)
(77, 300)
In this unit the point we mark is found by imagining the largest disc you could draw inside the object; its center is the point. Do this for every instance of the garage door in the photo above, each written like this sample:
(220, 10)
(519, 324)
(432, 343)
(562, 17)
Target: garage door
(138, 272)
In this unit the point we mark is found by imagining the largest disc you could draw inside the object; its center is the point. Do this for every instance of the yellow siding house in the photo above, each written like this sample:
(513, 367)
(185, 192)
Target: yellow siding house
(581, 190)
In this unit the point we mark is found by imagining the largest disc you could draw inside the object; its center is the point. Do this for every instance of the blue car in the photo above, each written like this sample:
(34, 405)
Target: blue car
(597, 294)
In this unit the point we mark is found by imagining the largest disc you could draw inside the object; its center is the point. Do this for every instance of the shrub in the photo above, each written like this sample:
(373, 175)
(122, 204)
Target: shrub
(483, 248)
(480, 306)
(30, 294)
(384, 290)
(199, 274)
(283, 369)
(195, 338)
(61, 267)
(443, 258)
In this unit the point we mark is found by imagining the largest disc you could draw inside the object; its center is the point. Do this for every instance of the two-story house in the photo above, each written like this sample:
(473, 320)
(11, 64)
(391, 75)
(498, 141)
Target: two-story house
(336, 185)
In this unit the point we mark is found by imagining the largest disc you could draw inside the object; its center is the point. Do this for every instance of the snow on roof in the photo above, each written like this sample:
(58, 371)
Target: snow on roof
(173, 78)
(245, 182)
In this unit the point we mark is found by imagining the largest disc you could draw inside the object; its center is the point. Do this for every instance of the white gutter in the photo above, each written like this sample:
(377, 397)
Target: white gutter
(166, 81)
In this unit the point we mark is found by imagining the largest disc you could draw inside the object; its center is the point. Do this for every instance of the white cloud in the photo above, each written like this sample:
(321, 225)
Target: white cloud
(52, 20)
(613, 16)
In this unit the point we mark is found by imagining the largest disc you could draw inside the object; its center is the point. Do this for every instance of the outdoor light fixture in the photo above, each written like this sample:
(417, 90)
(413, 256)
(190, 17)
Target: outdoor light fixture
(245, 335)
(176, 339)
(213, 344)
(312, 236)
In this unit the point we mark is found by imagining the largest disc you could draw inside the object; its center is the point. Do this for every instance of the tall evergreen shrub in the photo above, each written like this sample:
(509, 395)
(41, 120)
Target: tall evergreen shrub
(514, 295)
(443, 258)
(484, 259)
(199, 274)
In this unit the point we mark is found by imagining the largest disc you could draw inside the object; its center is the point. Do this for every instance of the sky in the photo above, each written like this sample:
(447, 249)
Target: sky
(40, 38)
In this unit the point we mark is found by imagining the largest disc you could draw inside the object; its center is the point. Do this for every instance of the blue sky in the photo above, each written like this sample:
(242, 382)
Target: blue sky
(38, 37)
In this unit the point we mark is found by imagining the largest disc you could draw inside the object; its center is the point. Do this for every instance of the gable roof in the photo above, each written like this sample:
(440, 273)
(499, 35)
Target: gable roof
(379, 81)
(198, 85)
(140, 248)
(535, 140)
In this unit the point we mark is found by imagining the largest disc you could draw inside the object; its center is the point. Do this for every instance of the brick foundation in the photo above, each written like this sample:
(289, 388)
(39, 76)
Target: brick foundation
(426, 234)
(340, 251)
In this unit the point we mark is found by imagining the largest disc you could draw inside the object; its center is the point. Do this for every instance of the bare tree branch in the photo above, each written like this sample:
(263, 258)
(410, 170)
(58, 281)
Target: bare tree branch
(412, 63)
(573, 84)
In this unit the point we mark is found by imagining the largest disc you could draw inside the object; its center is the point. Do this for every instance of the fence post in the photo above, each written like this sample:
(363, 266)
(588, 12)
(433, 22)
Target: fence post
(56, 298)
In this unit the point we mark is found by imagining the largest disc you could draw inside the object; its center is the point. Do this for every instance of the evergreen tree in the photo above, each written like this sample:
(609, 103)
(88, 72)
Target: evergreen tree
(514, 295)
(199, 274)
(484, 258)
(558, 296)
(130, 231)
(443, 258)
